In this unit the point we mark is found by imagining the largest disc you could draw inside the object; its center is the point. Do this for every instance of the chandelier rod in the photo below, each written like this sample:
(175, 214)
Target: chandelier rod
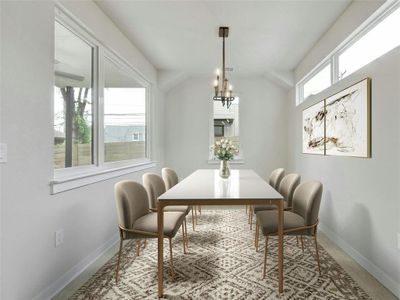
(223, 60)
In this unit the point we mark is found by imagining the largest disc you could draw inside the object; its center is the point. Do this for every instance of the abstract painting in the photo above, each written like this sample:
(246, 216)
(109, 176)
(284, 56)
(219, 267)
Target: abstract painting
(347, 121)
(313, 129)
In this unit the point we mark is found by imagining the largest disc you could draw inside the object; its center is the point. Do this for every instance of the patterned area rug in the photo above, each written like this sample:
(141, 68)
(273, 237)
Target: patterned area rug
(222, 264)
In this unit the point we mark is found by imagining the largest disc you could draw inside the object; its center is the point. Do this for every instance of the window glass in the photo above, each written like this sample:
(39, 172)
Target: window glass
(226, 122)
(318, 82)
(382, 38)
(73, 105)
(124, 115)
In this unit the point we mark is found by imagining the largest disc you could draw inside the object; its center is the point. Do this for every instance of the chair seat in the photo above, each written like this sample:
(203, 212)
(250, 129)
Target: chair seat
(172, 222)
(180, 208)
(258, 208)
(268, 221)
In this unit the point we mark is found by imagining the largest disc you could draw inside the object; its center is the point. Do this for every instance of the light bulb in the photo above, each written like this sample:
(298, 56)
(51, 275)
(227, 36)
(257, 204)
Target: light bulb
(215, 83)
(217, 72)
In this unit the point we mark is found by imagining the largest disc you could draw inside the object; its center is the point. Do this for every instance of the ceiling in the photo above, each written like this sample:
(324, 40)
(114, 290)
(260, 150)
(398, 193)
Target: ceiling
(265, 36)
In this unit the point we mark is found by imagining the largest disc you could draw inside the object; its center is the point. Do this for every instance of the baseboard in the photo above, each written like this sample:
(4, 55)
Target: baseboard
(55, 287)
(373, 269)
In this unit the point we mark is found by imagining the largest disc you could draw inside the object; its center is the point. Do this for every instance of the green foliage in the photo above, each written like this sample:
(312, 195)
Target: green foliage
(82, 130)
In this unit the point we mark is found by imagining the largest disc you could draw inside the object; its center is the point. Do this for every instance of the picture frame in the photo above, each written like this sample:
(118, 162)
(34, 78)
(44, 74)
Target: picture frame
(346, 121)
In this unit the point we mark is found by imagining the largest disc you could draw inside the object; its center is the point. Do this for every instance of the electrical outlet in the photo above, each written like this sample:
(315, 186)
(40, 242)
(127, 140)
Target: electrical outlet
(59, 237)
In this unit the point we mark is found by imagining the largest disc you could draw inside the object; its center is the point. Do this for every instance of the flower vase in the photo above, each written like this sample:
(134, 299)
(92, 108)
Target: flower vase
(224, 171)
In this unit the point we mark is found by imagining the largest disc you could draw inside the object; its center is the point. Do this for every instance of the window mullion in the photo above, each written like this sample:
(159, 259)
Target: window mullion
(335, 69)
(100, 107)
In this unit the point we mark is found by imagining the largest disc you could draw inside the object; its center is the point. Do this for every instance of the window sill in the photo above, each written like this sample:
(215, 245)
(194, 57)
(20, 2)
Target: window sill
(238, 161)
(66, 183)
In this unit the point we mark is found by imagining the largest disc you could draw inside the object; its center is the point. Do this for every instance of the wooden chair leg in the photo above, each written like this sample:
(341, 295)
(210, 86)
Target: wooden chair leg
(171, 262)
(195, 214)
(193, 219)
(118, 261)
(265, 257)
(251, 217)
(302, 243)
(183, 239)
(257, 237)
(199, 207)
(246, 209)
(248, 219)
(145, 244)
(297, 240)
(317, 253)
(186, 235)
(138, 247)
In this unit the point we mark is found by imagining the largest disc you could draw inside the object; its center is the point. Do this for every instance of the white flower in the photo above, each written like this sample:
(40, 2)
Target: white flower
(224, 146)
(217, 143)
(230, 142)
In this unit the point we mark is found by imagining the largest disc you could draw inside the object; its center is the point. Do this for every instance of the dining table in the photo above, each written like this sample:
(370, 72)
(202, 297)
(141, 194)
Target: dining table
(206, 187)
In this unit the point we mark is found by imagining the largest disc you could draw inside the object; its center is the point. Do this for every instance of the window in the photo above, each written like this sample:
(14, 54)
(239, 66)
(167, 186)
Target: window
(225, 122)
(73, 109)
(100, 110)
(377, 36)
(124, 115)
(381, 39)
(318, 82)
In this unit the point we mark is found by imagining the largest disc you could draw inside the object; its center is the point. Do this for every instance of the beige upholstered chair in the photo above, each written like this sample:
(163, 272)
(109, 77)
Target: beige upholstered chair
(155, 187)
(274, 180)
(276, 177)
(302, 220)
(137, 222)
(286, 188)
(171, 178)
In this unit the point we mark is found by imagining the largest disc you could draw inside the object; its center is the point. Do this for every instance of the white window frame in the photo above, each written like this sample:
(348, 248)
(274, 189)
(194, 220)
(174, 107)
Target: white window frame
(119, 63)
(73, 177)
(386, 9)
(211, 159)
(306, 79)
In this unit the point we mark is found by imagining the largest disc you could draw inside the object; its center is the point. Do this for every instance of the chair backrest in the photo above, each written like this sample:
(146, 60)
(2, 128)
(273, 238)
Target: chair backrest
(287, 187)
(131, 201)
(170, 177)
(154, 186)
(276, 177)
(306, 201)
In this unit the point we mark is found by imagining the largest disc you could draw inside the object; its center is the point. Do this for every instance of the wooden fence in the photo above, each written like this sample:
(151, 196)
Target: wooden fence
(82, 153)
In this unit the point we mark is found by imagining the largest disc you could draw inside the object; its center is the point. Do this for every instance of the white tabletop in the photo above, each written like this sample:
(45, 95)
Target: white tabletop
(207, 184)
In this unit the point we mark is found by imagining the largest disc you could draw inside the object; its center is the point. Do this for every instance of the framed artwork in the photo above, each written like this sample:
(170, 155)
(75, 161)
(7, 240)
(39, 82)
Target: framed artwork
(341, 124)
(314, 129)
(347, 121)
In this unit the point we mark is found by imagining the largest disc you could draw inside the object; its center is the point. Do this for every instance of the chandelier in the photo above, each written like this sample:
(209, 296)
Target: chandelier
(223, 90)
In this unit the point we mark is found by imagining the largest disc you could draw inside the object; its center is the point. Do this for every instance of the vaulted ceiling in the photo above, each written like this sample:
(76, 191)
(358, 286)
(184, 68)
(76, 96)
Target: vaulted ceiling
(266, 37)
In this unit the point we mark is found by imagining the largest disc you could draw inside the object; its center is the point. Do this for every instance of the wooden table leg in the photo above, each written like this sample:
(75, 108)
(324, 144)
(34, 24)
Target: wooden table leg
(280, 246)
(160, 224)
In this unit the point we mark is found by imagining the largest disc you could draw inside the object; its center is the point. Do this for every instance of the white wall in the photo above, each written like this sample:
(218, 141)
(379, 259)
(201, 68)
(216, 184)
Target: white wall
(360, 206)
(360, 209)
(31, 265)
(262, 115)
(350, 20)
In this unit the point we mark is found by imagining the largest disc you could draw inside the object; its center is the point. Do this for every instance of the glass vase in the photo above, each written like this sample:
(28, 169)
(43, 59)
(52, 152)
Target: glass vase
(224, 171)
